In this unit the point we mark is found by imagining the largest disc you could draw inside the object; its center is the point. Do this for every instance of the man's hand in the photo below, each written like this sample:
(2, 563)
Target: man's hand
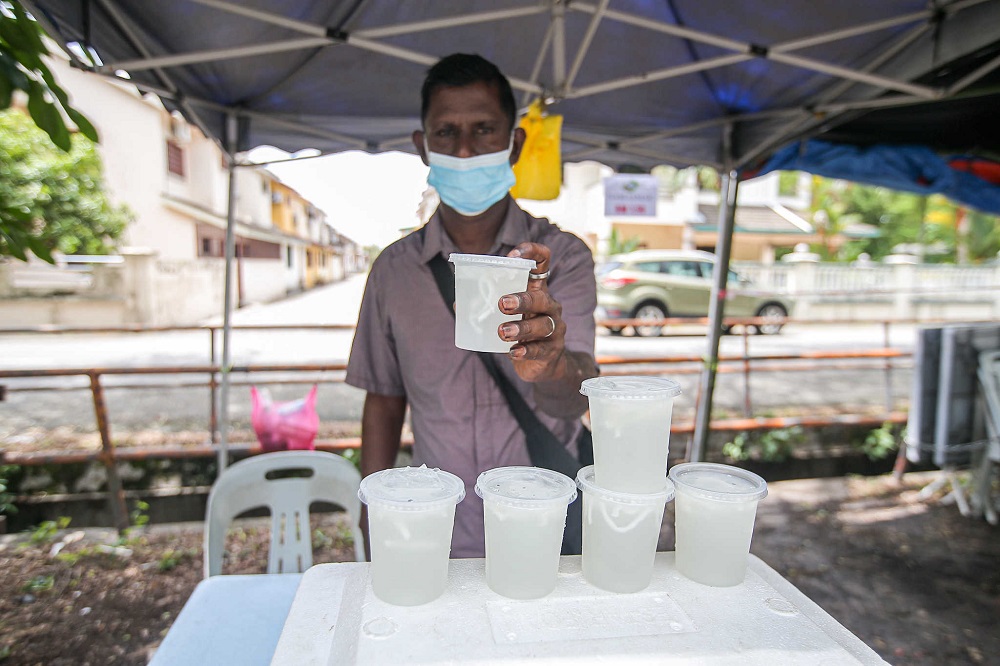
(540, 336)
(540, 354)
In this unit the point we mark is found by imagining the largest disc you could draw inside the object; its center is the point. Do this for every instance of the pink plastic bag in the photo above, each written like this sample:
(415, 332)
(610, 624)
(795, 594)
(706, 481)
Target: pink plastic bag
(281, 426)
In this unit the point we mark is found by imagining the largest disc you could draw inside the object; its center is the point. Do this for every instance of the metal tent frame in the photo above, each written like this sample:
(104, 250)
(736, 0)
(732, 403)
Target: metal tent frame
(800, 119)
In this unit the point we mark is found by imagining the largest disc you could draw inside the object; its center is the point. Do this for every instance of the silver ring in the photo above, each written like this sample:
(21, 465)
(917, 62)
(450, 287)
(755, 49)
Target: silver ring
(538, 276)
(553, 322)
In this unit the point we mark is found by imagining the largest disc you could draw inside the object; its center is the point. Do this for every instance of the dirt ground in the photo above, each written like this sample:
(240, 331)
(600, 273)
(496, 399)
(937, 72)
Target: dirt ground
(913, 579)
(98, 601)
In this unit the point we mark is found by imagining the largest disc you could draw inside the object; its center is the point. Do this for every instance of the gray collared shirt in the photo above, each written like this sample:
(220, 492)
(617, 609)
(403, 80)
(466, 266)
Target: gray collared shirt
(405, 346)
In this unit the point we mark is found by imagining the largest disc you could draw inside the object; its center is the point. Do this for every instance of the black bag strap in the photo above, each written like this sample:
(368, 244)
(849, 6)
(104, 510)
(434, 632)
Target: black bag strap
(543, 447)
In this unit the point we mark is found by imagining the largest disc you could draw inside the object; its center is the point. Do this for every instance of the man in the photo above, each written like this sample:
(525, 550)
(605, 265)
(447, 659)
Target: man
(404, 352)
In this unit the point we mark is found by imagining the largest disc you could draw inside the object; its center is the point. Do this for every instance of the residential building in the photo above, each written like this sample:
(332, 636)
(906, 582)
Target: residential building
(772, 214)
(175, 181)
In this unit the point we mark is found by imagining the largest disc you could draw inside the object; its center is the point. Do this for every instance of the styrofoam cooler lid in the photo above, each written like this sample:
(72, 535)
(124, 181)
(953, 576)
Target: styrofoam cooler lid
(412, 488)
(723, 483)
(528, 487)
(585, 481)
(630, 388)
(490, 260)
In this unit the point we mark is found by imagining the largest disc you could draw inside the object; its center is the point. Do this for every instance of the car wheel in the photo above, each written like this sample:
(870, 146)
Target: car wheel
(774, 312)
(650, 311)
(615, 330)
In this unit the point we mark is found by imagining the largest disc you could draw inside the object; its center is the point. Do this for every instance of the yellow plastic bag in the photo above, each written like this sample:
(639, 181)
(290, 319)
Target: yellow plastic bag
(539, 169)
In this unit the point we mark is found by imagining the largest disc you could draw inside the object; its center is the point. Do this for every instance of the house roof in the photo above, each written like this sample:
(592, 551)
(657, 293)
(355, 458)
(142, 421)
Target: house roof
(757, 220)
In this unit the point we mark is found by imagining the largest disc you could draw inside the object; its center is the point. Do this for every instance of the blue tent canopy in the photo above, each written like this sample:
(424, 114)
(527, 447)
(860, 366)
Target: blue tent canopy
(638, 82)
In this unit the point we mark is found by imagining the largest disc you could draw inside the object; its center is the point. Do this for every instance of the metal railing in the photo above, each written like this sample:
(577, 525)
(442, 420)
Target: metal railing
(109, 454)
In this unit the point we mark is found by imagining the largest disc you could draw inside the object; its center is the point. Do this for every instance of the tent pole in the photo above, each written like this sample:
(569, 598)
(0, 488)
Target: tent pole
(723, 246)
(231, 127)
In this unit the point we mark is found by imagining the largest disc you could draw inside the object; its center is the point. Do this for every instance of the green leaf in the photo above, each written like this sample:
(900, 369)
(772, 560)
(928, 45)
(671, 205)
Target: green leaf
(22, 215)
(10, 70)
(6, 89)
(55, 88)
(30, 30)
(14, 245)
(82, 124)
(47, 117)
(39, 249)
(81, 121)
(16, 43)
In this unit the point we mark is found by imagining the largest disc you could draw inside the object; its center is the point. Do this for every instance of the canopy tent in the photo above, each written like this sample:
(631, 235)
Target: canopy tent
(639, 82)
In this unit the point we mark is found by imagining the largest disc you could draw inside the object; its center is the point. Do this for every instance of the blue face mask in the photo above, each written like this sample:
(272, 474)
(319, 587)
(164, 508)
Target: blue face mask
(470, 185)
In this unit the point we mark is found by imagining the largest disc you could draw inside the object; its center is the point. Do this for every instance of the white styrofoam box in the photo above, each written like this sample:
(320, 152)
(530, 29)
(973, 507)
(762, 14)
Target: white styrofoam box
(335, 619)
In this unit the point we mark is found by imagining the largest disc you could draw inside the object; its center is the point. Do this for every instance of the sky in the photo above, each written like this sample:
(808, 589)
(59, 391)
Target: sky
(369, 198)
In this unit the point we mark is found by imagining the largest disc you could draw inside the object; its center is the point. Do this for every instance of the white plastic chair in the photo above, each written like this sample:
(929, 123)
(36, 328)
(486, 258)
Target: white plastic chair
(238, 619)
(263, 481)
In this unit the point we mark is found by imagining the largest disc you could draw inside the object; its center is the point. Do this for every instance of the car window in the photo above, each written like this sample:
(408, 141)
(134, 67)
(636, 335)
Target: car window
(734, 277)
(607, 267)
(647, 266)
(706, 268)
(681, 268)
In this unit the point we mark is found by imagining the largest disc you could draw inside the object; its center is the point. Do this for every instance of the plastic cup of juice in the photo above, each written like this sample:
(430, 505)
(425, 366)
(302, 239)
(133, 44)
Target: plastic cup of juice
(411, 513)
(620, 531)
(480, 281)
(524, 509)
(714, 515)
(630, 419)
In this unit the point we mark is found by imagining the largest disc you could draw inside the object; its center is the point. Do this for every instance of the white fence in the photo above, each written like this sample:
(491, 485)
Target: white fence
(900, 291)
(820, 278)
(136, 287)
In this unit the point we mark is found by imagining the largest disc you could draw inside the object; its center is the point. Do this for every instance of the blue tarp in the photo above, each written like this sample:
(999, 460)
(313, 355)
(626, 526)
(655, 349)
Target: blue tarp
(909, 168)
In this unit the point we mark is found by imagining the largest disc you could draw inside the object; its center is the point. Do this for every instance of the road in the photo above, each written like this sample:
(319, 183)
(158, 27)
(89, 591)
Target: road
(187, 408)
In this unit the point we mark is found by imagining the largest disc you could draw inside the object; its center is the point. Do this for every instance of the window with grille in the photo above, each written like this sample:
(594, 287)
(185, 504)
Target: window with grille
(175, 159)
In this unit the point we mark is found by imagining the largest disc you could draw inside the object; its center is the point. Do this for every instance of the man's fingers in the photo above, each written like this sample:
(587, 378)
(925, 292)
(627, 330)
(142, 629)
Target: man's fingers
(540, 253)
(533, 301)
(538, 328)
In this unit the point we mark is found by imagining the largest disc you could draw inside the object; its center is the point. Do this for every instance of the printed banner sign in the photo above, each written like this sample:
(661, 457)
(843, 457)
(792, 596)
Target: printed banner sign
(630, 194)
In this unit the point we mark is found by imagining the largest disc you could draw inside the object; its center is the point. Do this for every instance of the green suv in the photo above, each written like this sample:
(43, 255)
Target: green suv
(655, 284)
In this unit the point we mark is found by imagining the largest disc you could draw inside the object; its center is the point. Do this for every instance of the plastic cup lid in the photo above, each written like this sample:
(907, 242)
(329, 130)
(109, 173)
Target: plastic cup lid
(723, 483)
(490, 260)
(585, 480)
(630, 388)
(412, 488)
(527, 487)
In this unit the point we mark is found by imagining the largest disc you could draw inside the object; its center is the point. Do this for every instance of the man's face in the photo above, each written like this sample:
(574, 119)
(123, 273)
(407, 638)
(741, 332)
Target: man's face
(465, 121)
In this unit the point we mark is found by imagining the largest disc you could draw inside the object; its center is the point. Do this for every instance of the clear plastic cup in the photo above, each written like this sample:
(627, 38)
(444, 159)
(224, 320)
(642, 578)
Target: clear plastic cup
(620, 532)
(411, 513)
(524, 509)
(714, 512)
(630, 419)
(480, 281)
